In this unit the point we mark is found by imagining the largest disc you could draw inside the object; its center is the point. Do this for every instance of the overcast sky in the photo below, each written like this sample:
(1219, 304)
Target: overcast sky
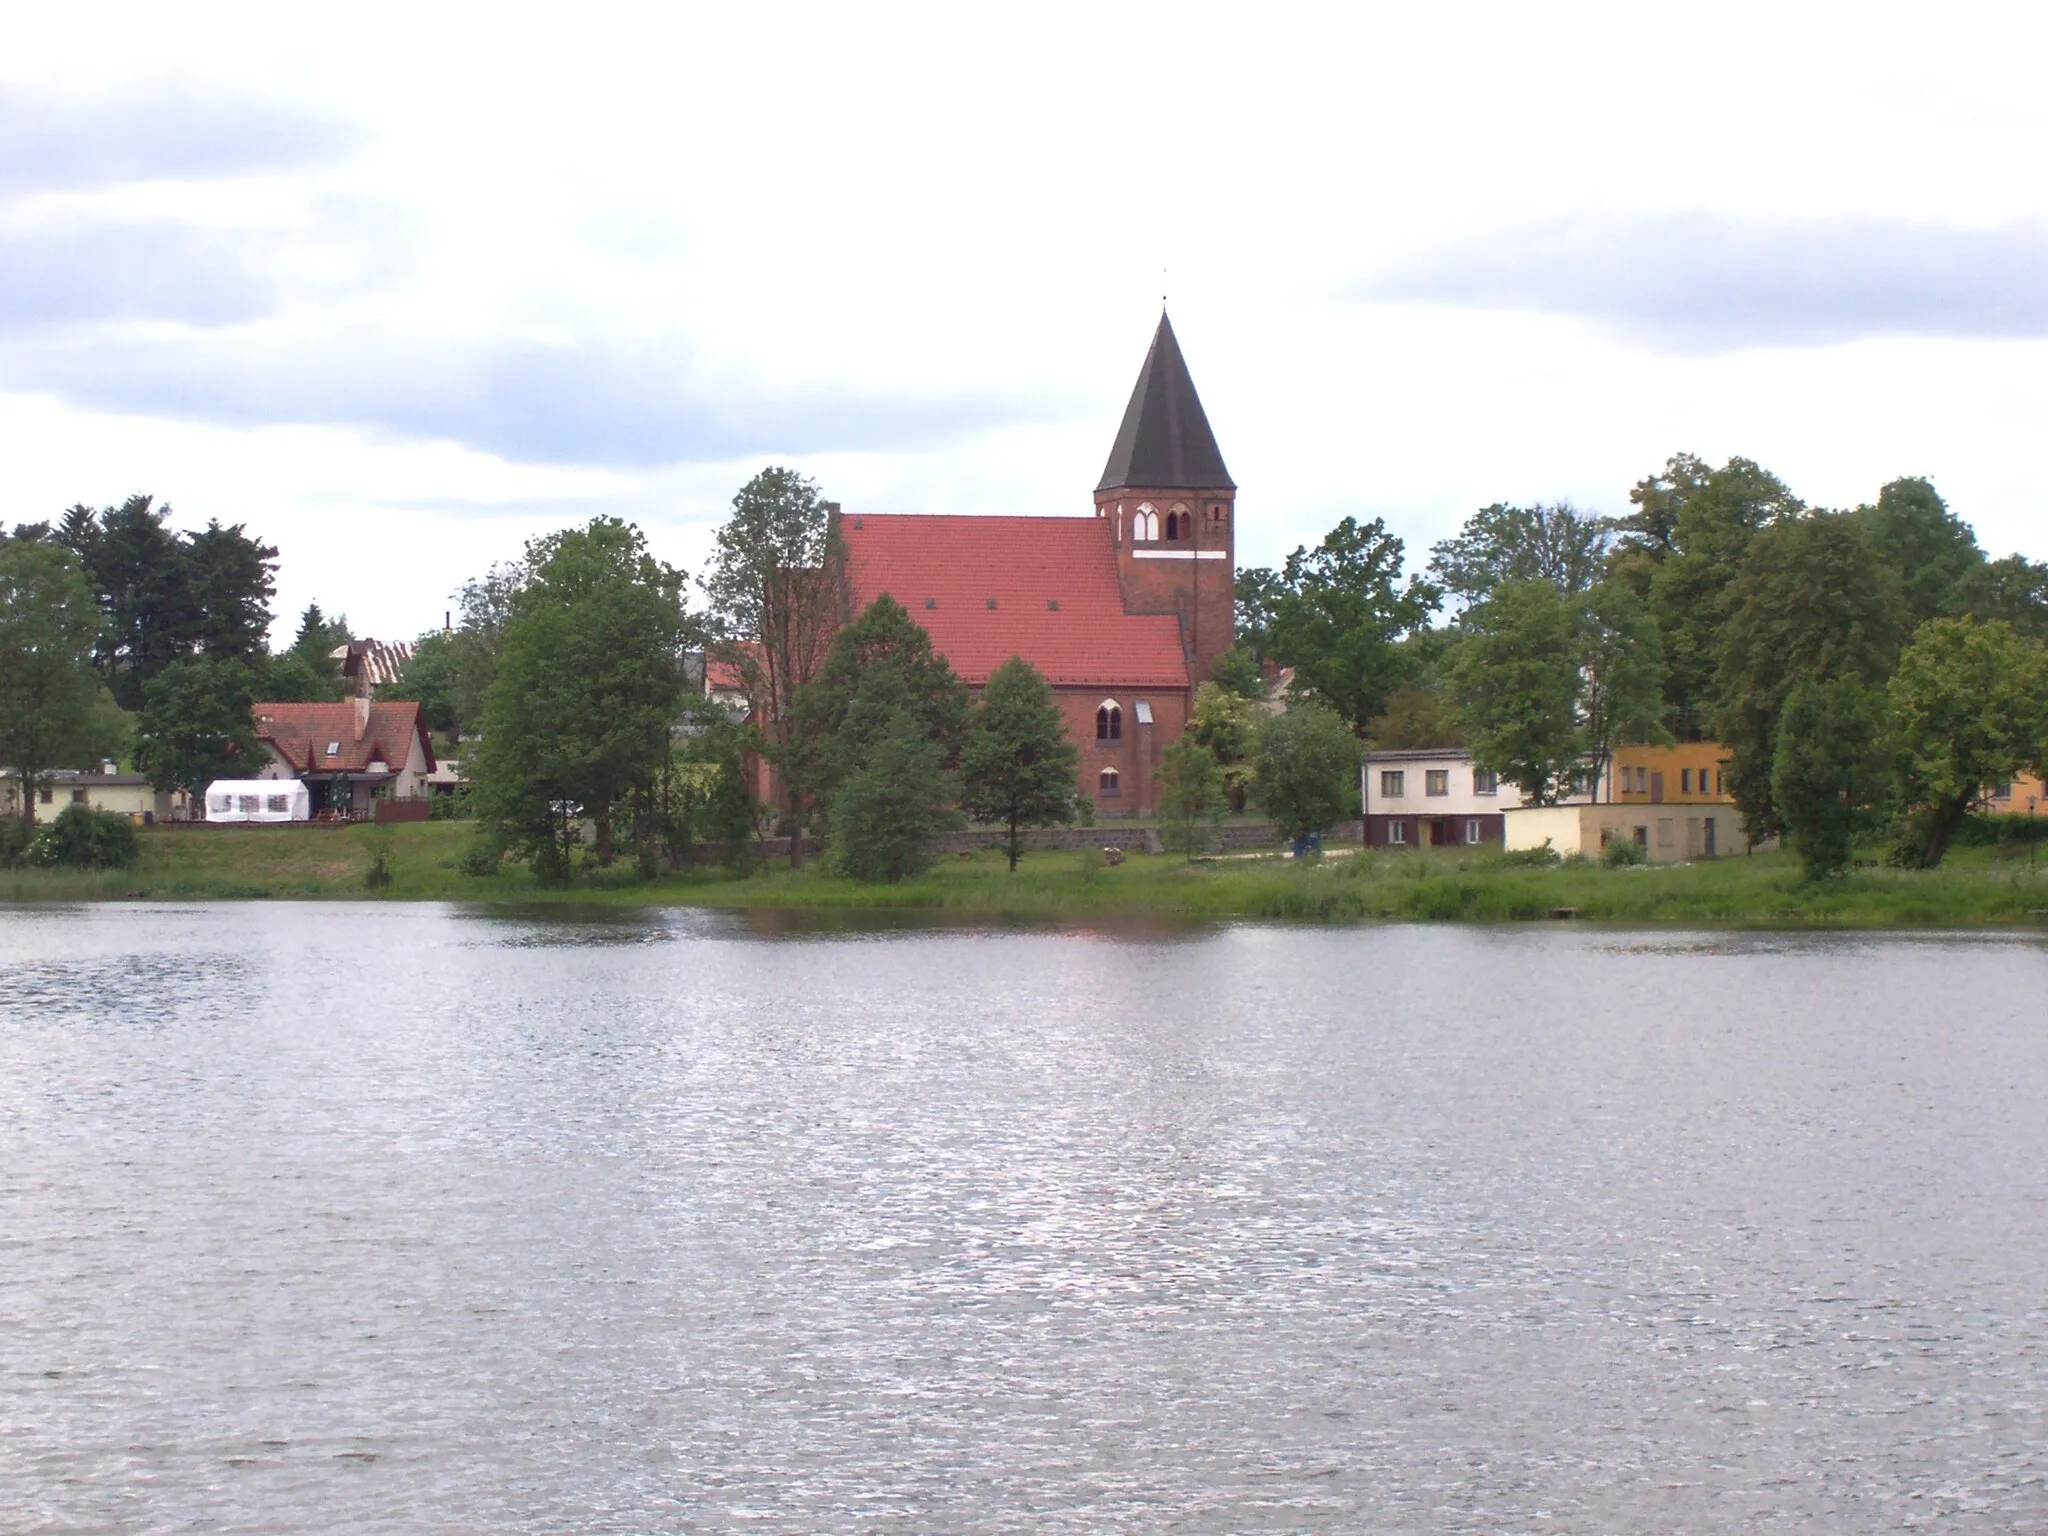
(399, 289)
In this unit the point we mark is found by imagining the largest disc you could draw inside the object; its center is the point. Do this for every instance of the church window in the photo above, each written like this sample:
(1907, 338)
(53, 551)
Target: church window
(1106, 781)
(1216, 513)
(1109, 721)
(1145, 524)
(1173, 525)
(1180, 523)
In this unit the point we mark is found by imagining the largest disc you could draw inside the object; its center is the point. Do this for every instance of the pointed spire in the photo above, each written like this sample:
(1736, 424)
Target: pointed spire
(1165, 443)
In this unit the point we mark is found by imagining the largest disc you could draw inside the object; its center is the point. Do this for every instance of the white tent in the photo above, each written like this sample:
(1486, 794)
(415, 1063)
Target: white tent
(258, 800)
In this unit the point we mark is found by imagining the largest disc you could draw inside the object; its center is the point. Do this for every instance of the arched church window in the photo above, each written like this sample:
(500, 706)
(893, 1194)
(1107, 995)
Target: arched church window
(1173, 525)
(1145, 523)
(1109, 721)
(1106, 781)
(1180, 523)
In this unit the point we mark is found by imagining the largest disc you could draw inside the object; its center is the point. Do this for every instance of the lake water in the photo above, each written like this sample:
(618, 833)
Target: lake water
(409, 1218)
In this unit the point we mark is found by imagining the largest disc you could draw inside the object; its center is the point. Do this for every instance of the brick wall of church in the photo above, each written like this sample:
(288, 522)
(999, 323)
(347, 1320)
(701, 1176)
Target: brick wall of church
(1134, 754)
(1191, 577)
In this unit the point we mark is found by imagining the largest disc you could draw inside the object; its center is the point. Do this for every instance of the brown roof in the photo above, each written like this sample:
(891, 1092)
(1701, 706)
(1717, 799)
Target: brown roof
(1165, 443)
(301, 733)
(989, 588)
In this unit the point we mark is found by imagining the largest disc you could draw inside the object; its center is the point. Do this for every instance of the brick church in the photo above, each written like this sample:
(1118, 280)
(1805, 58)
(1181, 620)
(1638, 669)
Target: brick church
(1124, 613)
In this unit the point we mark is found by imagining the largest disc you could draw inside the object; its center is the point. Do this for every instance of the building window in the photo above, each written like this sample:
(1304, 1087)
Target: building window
(1393, 783)
(277, 803)
(78, 797)
(1144, 524)
(48, 794)
(1397, 831)
(2002, 791)
(1106, 781)
(1581, 785)
(1485, 783)
(1642, 835)
(1215, 514)
(1685, 781)
(1180, 523)
(1436, 781)
(1471, 831)
(1663, 831)
(1109, 722)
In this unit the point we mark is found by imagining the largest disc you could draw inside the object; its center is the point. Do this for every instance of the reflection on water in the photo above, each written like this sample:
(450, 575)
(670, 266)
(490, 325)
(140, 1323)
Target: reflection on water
(338, 1217)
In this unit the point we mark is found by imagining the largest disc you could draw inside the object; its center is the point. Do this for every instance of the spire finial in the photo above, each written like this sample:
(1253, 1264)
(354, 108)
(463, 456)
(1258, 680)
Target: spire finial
(1162, 290)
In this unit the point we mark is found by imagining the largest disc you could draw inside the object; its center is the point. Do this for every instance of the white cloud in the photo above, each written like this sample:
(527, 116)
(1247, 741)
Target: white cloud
(470, 281)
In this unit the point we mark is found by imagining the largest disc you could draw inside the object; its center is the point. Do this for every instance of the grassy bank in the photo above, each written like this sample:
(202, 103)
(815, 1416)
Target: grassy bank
(1977, 887)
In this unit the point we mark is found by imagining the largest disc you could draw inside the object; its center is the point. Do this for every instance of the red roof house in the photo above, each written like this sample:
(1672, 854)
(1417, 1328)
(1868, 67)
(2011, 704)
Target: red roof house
(349, 754)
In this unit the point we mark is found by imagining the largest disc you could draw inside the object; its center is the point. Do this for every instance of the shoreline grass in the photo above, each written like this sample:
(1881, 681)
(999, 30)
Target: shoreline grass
(1975, 888)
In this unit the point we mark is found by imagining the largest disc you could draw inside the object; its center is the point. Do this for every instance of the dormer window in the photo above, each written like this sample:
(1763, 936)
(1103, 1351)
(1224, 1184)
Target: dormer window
(1109, 721)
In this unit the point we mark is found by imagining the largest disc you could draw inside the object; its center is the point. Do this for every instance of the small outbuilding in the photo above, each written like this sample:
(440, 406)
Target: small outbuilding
(229, 800)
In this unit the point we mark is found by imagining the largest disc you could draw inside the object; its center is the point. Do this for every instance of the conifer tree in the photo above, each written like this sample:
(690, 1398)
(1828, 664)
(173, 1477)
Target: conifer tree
(1017, 768)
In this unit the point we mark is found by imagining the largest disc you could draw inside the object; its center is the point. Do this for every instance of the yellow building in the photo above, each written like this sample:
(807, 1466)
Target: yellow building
(1689, 773)
(128, 793)
(2024, 796)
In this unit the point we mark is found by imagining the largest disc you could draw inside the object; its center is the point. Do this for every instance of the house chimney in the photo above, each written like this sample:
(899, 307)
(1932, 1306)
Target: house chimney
(362, 705)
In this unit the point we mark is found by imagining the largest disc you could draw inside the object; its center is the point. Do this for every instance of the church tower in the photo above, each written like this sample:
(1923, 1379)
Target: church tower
(1171, 506)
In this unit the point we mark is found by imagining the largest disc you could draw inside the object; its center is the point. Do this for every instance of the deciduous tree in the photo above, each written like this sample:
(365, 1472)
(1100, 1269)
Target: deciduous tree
(1813, 602)
(1191, 798)
(588, 685)
(772, 596)
(1678, 551)
(1828, 770)
(1305, 769)
(53, 707)
(1558, 544)
(1548, 683)
(893, 802)
(195, 725)
(1341, 613)
(1969, 708)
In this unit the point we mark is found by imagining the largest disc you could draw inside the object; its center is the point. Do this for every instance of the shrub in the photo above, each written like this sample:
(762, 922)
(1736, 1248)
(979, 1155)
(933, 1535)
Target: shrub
(1532, 858)
(13, 843)
(1624, 853)
(482, 858)
(84, 838)
(378, 875)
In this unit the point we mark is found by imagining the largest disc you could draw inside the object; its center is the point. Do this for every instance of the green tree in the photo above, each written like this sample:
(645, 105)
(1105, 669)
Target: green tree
(1685, 542)
(1226, 725)
(1813, 602)
(2014, 589)
(484, 606)
(53, 708)
(164, 596)
(1305, 771)
(1558, 544)
(1932, 552)
(1256, 591)
(196, 725)
(1192, 803)
(1237, 671)
(1018, 764)
(1969, 708)
(772, 595)
(894, 802)
(880, 663)
(1340, 617)
(1548, 683)
(1828, 770)
(232, 580)
(588, 683)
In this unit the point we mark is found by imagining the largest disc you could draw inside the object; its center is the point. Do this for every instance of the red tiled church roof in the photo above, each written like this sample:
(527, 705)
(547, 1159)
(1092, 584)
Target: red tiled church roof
(989, 588)
(300, 733)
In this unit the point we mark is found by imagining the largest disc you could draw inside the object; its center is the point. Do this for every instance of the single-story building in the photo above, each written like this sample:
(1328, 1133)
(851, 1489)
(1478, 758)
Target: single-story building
(348, 755)
(1670, 834)
(108, 789)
